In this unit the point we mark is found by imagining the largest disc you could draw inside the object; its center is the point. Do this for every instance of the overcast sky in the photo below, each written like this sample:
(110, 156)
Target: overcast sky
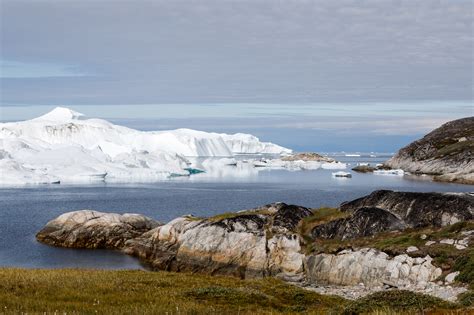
(316, 53)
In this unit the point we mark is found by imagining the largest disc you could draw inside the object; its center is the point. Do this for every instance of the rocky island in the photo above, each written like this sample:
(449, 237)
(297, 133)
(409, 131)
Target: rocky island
(446, 153)
(412, 241)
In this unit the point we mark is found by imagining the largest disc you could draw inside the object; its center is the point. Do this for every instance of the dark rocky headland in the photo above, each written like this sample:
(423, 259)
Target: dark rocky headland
(414, 241)
(446, 153)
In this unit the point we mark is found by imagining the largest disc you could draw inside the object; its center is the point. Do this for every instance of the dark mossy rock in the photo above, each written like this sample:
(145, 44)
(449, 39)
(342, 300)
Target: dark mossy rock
(418, 209)
(288, 216)
(386, 210)
(363, 222)
(364, 169)
(447, 152)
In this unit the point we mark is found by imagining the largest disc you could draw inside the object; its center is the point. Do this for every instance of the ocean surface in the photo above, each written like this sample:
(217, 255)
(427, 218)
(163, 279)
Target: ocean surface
(25, 210)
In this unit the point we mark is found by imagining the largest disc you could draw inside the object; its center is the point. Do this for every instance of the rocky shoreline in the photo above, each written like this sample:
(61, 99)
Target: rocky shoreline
(288, 242)
(446, 153)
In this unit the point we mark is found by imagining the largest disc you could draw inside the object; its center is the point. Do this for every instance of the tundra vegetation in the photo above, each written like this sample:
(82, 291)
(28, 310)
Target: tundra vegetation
(74, 291)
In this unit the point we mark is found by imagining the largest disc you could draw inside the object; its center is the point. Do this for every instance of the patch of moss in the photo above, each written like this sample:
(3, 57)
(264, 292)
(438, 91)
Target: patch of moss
(465, 265)
(230, 215)
(193, 218)
(320, 216)
(232, 296)
(466, 299)
(397, 301)
(455, 148)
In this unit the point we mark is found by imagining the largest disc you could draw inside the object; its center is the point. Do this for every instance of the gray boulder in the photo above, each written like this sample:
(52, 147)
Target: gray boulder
(94, 229)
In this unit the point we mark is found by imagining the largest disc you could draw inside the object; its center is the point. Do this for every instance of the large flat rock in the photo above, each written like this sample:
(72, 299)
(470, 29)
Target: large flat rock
(94, 229)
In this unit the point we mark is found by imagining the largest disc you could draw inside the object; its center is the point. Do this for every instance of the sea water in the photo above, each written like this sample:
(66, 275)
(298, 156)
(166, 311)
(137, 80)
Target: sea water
(25, 210)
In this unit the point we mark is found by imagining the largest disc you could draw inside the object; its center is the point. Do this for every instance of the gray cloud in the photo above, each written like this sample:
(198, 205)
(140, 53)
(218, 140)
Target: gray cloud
(239, 51)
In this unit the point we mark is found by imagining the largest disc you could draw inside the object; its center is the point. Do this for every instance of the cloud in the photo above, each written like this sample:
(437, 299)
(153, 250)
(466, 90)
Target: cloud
(13, 69)
(337, 118)
(240, 51)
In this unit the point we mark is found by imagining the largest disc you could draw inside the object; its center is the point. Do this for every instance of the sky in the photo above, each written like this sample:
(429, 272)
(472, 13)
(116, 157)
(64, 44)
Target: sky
(314, 75)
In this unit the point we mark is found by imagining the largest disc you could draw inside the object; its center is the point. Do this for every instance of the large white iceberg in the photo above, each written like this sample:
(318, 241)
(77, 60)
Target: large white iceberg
(63, 146)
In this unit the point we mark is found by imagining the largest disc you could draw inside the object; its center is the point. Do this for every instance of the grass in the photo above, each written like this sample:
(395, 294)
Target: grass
(465, 265)
(75, 291)
(402, 301)
(230, 215)
(320, 216)
(466, 299)
(79, 291)
(397, 242)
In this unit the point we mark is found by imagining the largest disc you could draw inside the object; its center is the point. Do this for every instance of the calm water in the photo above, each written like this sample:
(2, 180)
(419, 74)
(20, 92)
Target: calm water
(23, 211)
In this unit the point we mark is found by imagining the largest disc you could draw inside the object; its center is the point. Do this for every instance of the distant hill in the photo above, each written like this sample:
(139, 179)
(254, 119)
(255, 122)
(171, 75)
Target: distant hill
(447, 153)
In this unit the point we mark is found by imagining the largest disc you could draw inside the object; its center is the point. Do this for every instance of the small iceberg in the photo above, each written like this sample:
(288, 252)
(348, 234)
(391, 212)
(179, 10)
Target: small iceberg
(342, 174)
(396, 172)
(260, 163)
(353, 155)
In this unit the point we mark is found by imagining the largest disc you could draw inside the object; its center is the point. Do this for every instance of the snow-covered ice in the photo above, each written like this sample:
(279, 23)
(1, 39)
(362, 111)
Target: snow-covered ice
(63, 146)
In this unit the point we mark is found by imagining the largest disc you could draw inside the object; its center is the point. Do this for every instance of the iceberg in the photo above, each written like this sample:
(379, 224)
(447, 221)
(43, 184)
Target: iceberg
(395, 172)
(241, 143)
(299, 161)
(64, 146)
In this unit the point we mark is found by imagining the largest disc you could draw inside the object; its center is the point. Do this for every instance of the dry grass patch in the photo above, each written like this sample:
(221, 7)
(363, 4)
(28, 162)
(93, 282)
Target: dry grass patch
(75, 291)
(320, 216)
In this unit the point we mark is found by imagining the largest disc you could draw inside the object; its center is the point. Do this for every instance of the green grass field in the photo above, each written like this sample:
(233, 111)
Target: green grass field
(75, 291)
(79, 291)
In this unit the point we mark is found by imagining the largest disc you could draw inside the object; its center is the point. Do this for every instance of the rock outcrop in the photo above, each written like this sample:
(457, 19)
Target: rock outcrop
(266, 241)
(386, 210)
(371, 267)
(254, 243)
(418, 209)
(363, 222)
(357, 273)
(447, 153)
(364, 169)
(307, 156)
(94, 229)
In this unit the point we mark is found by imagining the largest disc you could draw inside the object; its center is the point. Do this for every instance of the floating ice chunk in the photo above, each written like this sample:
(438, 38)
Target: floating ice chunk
(396, 172)
(334, 166)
